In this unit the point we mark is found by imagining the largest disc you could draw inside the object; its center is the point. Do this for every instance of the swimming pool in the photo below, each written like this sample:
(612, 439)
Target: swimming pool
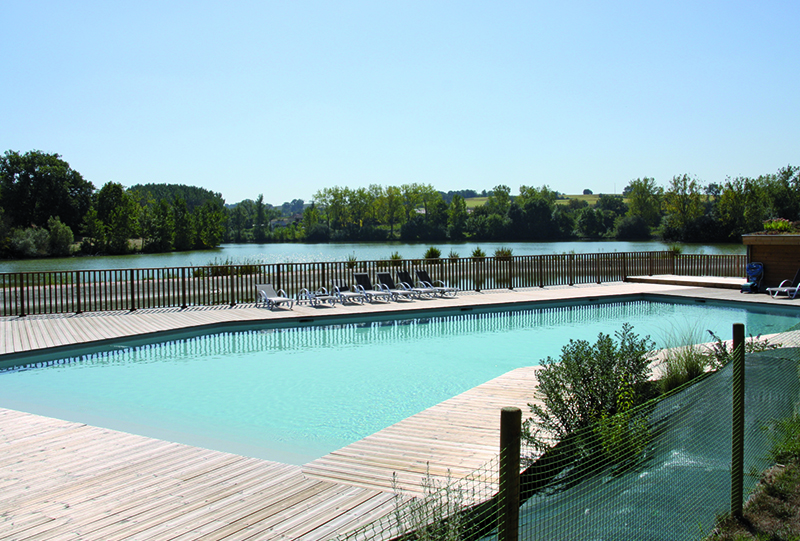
(294, 393)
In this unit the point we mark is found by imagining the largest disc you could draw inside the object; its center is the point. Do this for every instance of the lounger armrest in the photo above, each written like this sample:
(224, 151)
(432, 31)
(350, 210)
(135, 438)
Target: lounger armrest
(786, 283)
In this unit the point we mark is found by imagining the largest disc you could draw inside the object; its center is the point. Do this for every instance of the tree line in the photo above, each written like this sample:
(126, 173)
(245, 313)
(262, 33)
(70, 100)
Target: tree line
(45, 205)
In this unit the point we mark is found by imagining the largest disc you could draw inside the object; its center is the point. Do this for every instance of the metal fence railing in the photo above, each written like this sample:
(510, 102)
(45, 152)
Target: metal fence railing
(25, 293)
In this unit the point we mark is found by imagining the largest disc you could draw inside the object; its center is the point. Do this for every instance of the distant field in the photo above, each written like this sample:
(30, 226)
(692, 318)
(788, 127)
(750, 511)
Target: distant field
(590, 199)
(473, 202)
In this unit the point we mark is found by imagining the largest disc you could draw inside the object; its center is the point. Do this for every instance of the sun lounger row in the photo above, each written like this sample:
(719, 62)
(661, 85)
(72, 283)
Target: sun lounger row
(361, 291)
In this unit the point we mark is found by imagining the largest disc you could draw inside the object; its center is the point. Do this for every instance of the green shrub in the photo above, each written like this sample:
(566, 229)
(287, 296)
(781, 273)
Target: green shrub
(30, 242)
(453, 255)
(683, 360)
(721, 353)
(432, 253)
(589, 383)
(781, 225)
(61, 237)
(477, 253)
(351, 261)
(785, 440)
(503, 253)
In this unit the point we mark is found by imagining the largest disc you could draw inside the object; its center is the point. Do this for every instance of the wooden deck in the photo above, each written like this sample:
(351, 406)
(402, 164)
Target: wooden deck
(63, 480)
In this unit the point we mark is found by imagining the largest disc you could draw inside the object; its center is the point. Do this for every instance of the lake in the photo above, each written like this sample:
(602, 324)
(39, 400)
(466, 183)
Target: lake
(303, 253)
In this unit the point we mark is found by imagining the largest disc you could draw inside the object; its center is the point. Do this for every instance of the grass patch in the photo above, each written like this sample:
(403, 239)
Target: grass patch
(772, 513)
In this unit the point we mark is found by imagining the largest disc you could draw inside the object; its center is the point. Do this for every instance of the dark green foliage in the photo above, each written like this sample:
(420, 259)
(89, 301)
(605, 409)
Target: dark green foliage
(194, 196)
(589, 383)
(158, 228)
(29, 242)
(477, 253)
(503, 253)
(60, 237)
(786, 440)
(432, 253)
(632, 228)
(319, 232)
(35, 186)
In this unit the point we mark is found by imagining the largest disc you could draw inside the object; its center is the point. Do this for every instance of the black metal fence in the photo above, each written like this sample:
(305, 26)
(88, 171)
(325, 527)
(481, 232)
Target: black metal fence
(24, 293)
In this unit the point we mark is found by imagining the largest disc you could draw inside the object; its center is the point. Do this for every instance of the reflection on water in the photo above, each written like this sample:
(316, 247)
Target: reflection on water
(302, 253)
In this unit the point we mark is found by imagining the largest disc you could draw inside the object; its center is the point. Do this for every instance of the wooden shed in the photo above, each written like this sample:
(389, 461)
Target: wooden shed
(780, 255)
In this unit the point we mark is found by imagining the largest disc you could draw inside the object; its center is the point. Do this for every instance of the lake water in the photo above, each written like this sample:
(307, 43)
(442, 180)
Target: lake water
(302, 253)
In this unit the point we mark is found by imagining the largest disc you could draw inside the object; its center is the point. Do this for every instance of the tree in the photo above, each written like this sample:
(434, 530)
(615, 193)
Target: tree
(645, 200)
(631, 228)
(500, 200)
(742, 206)
(193, 196)
(411, 198)
(61, 237)
(590, 223)
(238, 223)
(119, 212)
(391, 207)
(184, 226)
(95, 233)
(36, 186)
(261, 221)
(159, 232)
(296, 206)
(683, 205)
(784, 193)
(210, 220)
(457, 218)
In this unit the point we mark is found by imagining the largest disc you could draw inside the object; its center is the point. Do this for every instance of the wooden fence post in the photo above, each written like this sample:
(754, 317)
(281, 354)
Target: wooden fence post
(737, 437)
(508, 495)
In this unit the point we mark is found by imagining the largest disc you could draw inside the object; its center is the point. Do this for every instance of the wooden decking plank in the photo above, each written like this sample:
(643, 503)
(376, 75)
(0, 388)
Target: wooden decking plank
(228, 515)
(140, 504)
(172, 507)
(377, 507)
(327, 507)
(266, 518)
(112, 471)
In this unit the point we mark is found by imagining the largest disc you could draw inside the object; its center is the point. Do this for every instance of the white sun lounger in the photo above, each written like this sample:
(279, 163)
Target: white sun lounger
(272, 298)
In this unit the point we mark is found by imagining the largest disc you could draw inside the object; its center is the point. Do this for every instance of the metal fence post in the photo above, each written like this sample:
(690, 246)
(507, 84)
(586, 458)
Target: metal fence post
(132, 290)
(508, 495)
(737, 439)
(184, 305)
(77, 292)
(21, 288)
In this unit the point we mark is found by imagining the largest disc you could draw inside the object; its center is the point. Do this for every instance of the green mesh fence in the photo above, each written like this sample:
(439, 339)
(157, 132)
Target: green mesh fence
(661, 471)
(447, 510)
(677, 486)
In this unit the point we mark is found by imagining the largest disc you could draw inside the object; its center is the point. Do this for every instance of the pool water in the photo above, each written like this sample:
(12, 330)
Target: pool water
(294, 394)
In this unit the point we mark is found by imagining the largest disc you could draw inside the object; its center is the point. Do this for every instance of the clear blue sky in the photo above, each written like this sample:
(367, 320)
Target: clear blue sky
(285, 98)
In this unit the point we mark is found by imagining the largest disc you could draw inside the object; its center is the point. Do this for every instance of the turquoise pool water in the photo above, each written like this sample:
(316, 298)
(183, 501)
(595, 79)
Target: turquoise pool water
(294, 394)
